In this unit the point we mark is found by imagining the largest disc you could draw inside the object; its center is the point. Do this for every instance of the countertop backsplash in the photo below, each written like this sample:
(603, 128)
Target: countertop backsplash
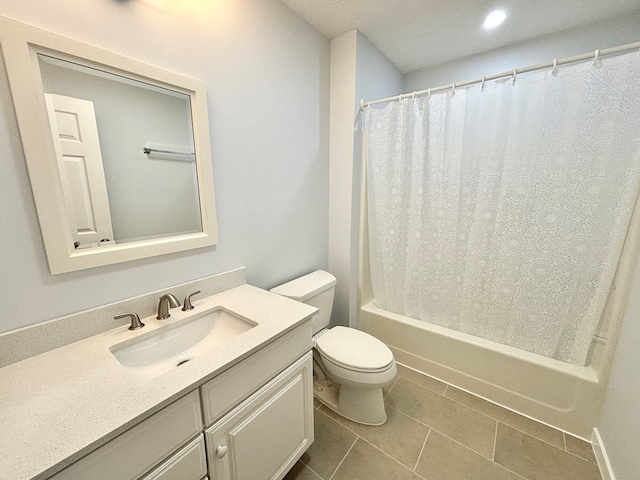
(26, 342)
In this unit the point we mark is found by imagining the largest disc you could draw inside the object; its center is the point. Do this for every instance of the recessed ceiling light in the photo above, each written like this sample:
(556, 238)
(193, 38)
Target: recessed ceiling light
(494, 19)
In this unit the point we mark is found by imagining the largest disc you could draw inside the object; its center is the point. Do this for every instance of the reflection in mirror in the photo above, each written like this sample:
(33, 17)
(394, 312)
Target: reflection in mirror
(102, 125)
(117, 150)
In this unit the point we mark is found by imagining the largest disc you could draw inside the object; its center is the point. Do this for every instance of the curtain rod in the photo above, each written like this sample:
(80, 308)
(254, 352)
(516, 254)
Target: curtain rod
(511, 73)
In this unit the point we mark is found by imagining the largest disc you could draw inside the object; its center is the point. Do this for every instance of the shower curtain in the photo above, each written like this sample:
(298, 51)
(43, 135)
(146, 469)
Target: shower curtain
(501, 210)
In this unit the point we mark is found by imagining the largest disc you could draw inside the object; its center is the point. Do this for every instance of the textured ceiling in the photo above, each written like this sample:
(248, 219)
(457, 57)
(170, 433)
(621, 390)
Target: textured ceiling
(418, 33)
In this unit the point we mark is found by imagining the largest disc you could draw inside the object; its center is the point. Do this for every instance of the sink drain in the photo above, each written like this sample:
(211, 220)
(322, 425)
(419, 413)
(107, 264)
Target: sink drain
(182, 362)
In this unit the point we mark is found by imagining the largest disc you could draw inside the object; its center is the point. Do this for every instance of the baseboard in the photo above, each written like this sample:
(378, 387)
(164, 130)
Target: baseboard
(601, 456)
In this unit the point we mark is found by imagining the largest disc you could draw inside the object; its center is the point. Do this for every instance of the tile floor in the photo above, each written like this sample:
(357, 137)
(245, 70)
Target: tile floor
(437, 432)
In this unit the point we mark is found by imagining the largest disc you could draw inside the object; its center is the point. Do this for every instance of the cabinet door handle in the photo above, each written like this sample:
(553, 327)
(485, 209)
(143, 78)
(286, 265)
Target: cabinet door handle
(221, 451)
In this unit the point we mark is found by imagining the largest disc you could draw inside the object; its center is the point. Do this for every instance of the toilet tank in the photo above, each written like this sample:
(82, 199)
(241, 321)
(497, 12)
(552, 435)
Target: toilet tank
(315, 289)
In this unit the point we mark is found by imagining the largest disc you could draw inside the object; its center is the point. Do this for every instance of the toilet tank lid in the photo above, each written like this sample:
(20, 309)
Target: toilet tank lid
(302, 288)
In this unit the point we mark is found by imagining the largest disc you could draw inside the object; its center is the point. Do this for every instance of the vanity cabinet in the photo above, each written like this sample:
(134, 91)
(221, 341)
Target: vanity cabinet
(263, 437)
(258, 421)
(189, 463)
(259, 413)
(137, 450)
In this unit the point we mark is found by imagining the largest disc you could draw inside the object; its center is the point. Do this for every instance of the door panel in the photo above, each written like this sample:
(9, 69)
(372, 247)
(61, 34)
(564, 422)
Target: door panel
(75, 134)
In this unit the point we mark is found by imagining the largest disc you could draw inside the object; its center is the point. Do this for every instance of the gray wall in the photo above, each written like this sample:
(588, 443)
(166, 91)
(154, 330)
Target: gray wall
(267, 78)
(376, 77)
(359, 70)
(619, 425)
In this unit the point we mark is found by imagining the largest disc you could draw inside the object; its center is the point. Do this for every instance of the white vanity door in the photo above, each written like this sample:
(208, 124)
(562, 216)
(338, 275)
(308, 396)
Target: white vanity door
(189, 463)
(266, 434)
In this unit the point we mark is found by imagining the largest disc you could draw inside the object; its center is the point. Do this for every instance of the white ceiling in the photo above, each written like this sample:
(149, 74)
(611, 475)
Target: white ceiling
(419, 33)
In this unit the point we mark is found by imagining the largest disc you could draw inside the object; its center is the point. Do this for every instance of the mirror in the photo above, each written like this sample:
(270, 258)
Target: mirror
(117, 150)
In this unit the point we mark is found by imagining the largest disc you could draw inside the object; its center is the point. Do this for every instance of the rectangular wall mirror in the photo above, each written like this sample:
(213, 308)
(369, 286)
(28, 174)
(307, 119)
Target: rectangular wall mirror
(117, 150)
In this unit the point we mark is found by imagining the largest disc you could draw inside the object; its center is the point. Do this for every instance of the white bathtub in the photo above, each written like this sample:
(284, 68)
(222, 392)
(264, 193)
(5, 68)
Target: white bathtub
(565, 396)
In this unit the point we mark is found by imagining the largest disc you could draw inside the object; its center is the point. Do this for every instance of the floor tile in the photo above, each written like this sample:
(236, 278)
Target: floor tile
(579, 447)
(331, 444)
(444, 459)
(387, 389)
(423, 380)
(537, 429)
(400, 437)
(537, 460)
(366, 462)
(301, 472)
(459, 422)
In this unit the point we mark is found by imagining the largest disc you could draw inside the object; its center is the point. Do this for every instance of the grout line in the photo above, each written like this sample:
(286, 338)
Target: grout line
(581, 457)
(350, 428)
(422, 386)
(394, 384)
(510, 425)
(460, 443)
(477, 453)
(444, 434)
(495, 443)
(424, 444)
(447, 385)
(427, 376)
(548, 443)
(421, 451)
(319, 476)
(344, 458)
(386, 454)
(516, 473)
(536, 437)
(507, 409)
(511, 471)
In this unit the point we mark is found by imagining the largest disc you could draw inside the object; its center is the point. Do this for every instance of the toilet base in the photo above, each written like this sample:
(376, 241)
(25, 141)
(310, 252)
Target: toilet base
(360, 405)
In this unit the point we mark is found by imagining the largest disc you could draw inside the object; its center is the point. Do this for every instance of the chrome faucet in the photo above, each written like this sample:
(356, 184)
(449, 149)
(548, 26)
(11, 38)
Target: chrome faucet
(166, 300)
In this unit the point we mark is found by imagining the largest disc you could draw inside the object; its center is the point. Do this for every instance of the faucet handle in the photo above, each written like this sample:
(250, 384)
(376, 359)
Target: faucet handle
(187, 301)
(135, 320)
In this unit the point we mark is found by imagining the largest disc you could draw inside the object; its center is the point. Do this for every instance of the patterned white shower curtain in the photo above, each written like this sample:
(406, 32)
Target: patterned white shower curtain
(502, 212)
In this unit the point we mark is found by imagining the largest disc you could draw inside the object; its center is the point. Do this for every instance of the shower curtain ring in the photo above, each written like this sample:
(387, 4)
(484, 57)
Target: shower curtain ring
(428, 93)
(484, 78)
(595, 57)
(413, 95)
(400, 98)
(554, 69)
(515, 73)
(453, 88)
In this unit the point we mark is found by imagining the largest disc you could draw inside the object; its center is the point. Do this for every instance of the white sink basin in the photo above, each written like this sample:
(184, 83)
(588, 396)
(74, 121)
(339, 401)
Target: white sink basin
(168, 347)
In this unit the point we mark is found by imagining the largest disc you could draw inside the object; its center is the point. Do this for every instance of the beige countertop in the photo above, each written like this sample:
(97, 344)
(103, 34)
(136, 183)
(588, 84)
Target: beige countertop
(60, 405)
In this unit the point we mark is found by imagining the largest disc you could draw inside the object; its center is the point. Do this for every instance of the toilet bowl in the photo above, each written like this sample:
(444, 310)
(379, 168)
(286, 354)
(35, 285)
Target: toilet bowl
(350, 367)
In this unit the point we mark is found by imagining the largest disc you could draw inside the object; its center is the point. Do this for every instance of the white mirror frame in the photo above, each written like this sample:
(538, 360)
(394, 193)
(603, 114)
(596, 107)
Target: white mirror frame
(20, 45)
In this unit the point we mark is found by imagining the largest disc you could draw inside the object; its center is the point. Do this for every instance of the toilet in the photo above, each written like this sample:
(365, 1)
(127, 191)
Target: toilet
(350, 367)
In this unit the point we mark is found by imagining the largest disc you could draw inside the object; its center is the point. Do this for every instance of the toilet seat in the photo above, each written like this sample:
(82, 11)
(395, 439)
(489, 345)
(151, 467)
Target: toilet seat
(353, 350)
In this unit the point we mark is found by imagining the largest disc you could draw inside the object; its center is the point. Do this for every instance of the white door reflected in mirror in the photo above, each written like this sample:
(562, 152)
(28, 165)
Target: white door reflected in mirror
(147, 195)
(75, 138)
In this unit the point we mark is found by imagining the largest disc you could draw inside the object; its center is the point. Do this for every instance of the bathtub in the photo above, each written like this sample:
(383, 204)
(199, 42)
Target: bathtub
(564, 396)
